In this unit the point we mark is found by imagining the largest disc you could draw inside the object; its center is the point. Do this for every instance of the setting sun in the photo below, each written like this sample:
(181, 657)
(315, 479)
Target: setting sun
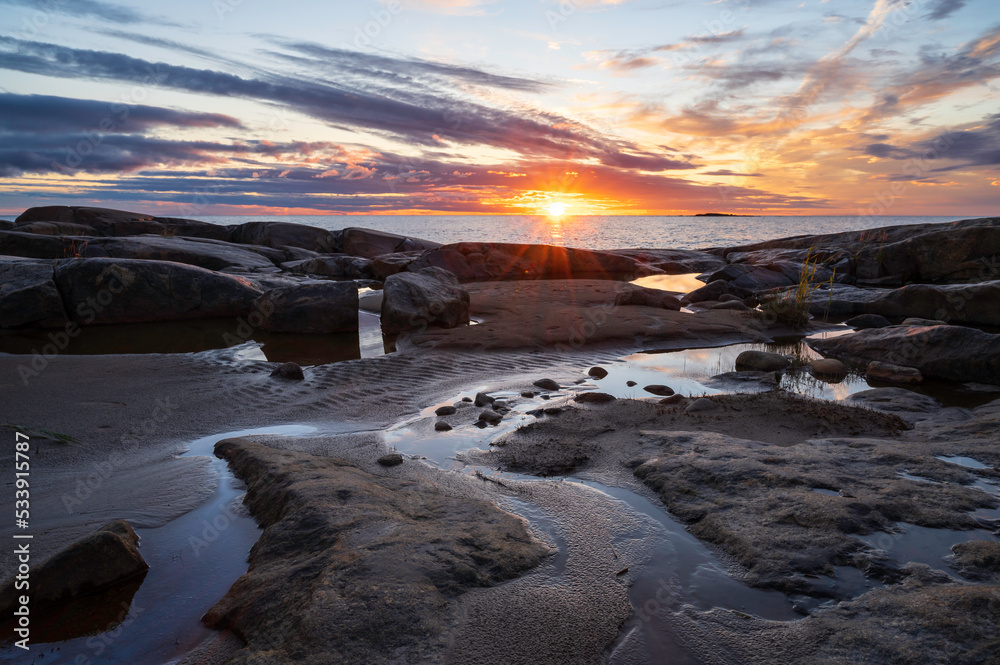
(557, 209)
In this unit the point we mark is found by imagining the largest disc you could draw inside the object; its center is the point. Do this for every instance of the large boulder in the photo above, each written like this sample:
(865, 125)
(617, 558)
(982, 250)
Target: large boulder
(368, 243)
(201, 252)
(487, 262)
(946, 256)
(715, 291)
(631, 294)
(338, 266)
(28, 294)
(977, 303)
(98, 561)
(312, 307)
(285, 234)
(107, 222)
(673, 261)
(384, 265)
(955, 353)
(106, 291)
(429, 297)
(212, 255)
(841, 300)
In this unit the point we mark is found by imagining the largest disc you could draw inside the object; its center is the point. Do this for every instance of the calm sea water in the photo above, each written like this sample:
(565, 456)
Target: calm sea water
(595, 232)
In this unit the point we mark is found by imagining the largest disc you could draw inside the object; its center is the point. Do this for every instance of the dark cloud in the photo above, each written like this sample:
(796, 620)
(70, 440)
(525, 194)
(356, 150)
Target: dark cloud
(104, 11)
(46, 114)
(419, 114)
(375, 65)
(941, 9)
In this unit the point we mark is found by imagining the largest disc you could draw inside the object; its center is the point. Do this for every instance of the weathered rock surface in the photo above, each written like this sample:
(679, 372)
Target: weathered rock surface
(631, 294)
(204, 253)
(106, 557)
(828, 369)
(312, 307)
(889, 373)
(955, 353)
(868, 321)
(108, 222)
(105, 291)
(761, 361)
(715, 291)
(285, 234)
(369, 244)
(976, 304)
(659, 389)
(384, 265)
(673, 261)
(357, 568)
(485, 262)
(594, 398)
(341, 267)
(290, 371)
(416, 300)
(28, 294)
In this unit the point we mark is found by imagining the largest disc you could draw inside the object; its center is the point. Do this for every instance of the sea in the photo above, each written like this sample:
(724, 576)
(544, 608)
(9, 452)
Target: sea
(596, 232)
(593, 232)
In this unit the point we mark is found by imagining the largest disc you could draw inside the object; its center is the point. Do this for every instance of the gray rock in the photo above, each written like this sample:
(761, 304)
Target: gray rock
(391, 459)
(291, 371)
(101, 560)
(446, 410)
(955, 353)
(673, 261)
(630, 294)
(384, 265)
(661, 390)
(482, 399)
(868, 321)
(28, 294)
(733, 305)
(415, 300)
(368, 243)
(889, 373)
(715, 291)
(829, 369)
(597, 372)
(762, 361)
(285, 234)
(117, 223)
(107, 291)
(976, 304)
(442, 426)
(673, 399)
(490, 416)
(486, 262)
(341, 267)
(701, 405)
(313, 307)
(546, 384)
(630, 384)
(594, 398)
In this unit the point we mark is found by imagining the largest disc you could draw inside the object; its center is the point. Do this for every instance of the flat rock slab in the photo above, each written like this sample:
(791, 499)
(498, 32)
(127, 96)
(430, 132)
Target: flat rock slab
(358, 567)
(955, 353)
(105, 291)
(571, 314)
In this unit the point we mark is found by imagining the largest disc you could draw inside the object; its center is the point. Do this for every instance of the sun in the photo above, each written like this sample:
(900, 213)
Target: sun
(557, 209)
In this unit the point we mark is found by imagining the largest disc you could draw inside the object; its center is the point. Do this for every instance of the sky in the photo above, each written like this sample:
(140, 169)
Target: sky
(624, 107)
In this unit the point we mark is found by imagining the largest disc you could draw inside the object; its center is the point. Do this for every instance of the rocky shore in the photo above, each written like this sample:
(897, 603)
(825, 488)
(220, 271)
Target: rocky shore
(874, 515)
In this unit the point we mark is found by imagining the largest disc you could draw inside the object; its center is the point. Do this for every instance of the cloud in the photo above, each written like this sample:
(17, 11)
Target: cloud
(46, 114)
(727, 172)
(416, 111)
(104, 11)
(942, 9)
